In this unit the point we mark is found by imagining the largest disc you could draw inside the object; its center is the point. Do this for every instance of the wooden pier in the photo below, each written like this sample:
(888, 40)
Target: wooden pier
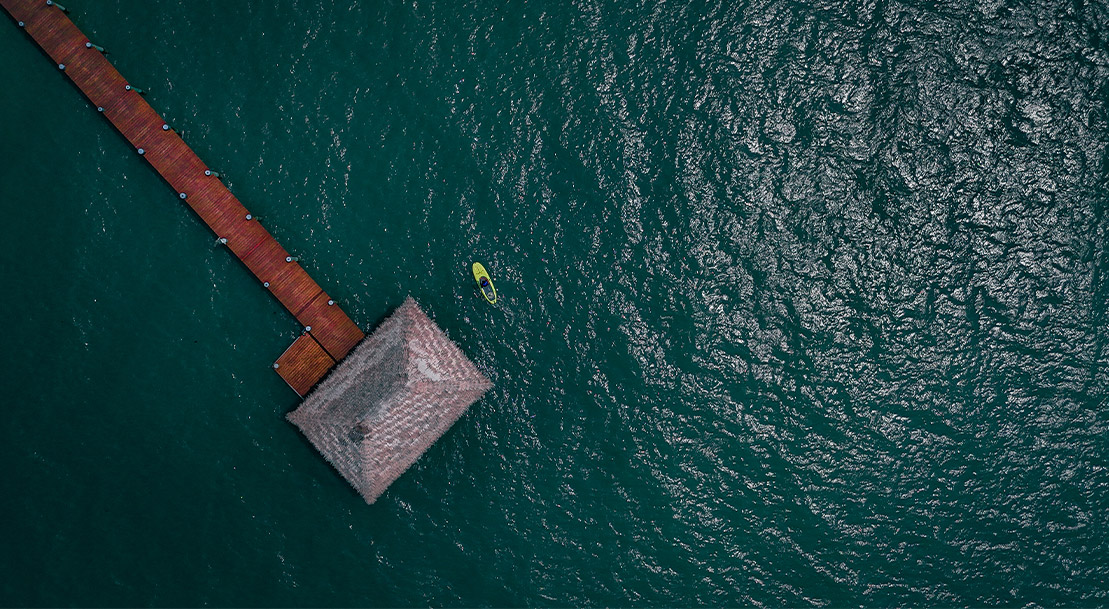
(329, 334)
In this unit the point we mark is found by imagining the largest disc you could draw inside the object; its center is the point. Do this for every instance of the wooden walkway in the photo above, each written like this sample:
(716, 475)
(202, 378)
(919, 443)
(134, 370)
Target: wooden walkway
(329, 334)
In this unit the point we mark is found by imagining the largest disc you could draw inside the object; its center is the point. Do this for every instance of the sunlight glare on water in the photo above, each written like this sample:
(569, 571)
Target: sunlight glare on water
(799, 304)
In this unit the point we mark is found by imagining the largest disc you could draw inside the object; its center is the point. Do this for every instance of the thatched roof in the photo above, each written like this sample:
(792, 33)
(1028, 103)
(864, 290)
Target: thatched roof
(389, 400)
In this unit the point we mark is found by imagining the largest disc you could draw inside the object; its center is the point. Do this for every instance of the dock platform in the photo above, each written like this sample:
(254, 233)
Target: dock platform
(329, 334)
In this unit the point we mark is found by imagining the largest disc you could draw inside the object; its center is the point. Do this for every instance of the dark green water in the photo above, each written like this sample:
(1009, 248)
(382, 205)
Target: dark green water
(803, 303)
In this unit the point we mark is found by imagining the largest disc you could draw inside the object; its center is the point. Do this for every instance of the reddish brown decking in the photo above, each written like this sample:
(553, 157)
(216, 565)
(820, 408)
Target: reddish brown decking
(303, 364)
(329, 333)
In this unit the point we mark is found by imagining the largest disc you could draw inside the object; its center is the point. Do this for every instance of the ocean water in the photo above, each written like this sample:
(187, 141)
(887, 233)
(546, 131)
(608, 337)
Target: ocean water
(802, 303)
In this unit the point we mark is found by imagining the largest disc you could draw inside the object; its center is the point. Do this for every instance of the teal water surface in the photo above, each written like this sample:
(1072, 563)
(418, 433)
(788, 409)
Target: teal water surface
(801, 303)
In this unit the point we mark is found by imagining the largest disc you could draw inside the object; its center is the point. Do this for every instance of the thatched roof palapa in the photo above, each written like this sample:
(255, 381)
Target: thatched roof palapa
(389, 400)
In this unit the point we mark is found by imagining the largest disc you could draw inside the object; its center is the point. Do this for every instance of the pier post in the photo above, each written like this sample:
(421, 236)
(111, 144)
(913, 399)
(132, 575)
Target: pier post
(89, 45)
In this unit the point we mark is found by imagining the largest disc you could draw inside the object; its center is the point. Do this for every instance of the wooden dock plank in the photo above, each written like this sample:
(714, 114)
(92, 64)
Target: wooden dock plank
(223, 212)
(332, 334)
(303, 364)
(296, 289)
(86, 70)
(336, 333)
(165, 155)
(245, 237)
(212, 202)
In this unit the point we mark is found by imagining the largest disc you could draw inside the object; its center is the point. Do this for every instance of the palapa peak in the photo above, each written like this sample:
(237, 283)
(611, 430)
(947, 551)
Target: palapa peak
(389, 400)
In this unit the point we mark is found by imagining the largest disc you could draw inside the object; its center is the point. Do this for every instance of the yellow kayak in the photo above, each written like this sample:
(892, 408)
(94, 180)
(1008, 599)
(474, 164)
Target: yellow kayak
(485, 282)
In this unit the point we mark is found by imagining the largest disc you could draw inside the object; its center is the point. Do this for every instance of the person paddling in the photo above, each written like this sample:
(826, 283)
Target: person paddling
(485, 282)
